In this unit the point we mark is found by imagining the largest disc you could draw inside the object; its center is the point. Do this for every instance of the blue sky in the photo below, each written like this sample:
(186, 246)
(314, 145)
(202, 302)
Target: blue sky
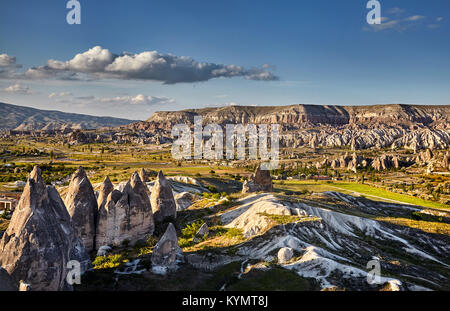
(289, 52)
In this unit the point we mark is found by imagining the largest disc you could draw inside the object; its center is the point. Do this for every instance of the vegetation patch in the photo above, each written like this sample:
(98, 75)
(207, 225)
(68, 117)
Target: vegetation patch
(109, 262)
(426, 226)
(287, 219)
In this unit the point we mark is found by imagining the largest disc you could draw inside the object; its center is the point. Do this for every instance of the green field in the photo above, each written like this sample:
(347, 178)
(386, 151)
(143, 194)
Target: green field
(362, 189)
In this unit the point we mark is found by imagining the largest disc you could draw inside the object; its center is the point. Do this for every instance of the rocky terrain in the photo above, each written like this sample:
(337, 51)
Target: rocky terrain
(325, 240)
(21, 118)
(41, 239)
(361, 127)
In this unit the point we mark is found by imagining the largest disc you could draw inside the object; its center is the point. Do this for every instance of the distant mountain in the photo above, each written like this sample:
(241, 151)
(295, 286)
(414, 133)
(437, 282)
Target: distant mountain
(21, 118)
(306, 116)
(361, 127)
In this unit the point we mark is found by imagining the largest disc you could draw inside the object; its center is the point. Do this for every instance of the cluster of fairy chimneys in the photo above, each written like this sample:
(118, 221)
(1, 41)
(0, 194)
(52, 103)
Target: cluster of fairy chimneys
(46, 233)
(115, 217)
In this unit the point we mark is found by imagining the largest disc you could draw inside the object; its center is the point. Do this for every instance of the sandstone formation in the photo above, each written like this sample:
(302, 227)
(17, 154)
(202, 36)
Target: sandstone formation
(425, 157)
(145, 175)
(41, 239)
(167, 253)
(285, 254)
(162, 200)
(82, 207)
(361, 127)
(259, 181)
(6, 282)
(446, 161)
(126, 215)
(185, 199)
(105, 189)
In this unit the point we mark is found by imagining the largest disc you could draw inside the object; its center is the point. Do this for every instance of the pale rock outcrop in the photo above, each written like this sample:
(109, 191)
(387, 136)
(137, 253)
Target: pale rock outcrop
(145, 175)
(81, 204)
(184, 200)
(6, 282)
(167, 254)
(259, 181)
(382, 163)
(446, 161)
(425, 157)
(162, 200)
(285, 254)
(252, 217)
(203, 231)
(41, 239)
(105, 189)
(126, 216)
(104, 250)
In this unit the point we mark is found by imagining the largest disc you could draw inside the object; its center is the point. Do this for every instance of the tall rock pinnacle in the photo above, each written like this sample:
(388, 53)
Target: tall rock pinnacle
(81, 204)
(162, 200)
(40, 239)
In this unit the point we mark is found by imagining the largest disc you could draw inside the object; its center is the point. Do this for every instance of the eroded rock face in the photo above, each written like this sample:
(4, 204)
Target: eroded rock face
(446, 160)
(126, 216)
(285, 254)
(41, 239)
(106, 188)
(162, 200)
(82, 207)
(184, 200)
(167, 253)
(145, 175)
(6, 282)
(259, 181)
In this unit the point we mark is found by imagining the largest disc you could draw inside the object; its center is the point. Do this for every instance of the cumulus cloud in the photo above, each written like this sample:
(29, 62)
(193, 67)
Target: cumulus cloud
(151, 66)
(6, 60)
(18, 89)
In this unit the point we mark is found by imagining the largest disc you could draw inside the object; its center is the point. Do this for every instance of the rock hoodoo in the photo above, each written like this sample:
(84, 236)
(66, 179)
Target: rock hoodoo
(259, 181)
(82, 207)
(145, 175)
(41, 239)
(126, 216)
(105, 189)
(185, 199)
(162, 200)
(167, 253)
(285, 254)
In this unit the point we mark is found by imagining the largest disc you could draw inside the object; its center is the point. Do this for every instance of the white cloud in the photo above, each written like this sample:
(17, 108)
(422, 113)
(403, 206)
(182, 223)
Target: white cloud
(152, 66)
(395, 11)
(398, 21)
(139, 99)
(58, 95)
(439, 19)
(414, 18)
(6, 60)
(18, 89)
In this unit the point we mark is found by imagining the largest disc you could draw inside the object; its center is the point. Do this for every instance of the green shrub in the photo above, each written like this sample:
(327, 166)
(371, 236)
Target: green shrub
(109, 262)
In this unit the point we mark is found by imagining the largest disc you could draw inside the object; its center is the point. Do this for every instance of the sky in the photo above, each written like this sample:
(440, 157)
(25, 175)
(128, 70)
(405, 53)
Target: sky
(129, 59)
